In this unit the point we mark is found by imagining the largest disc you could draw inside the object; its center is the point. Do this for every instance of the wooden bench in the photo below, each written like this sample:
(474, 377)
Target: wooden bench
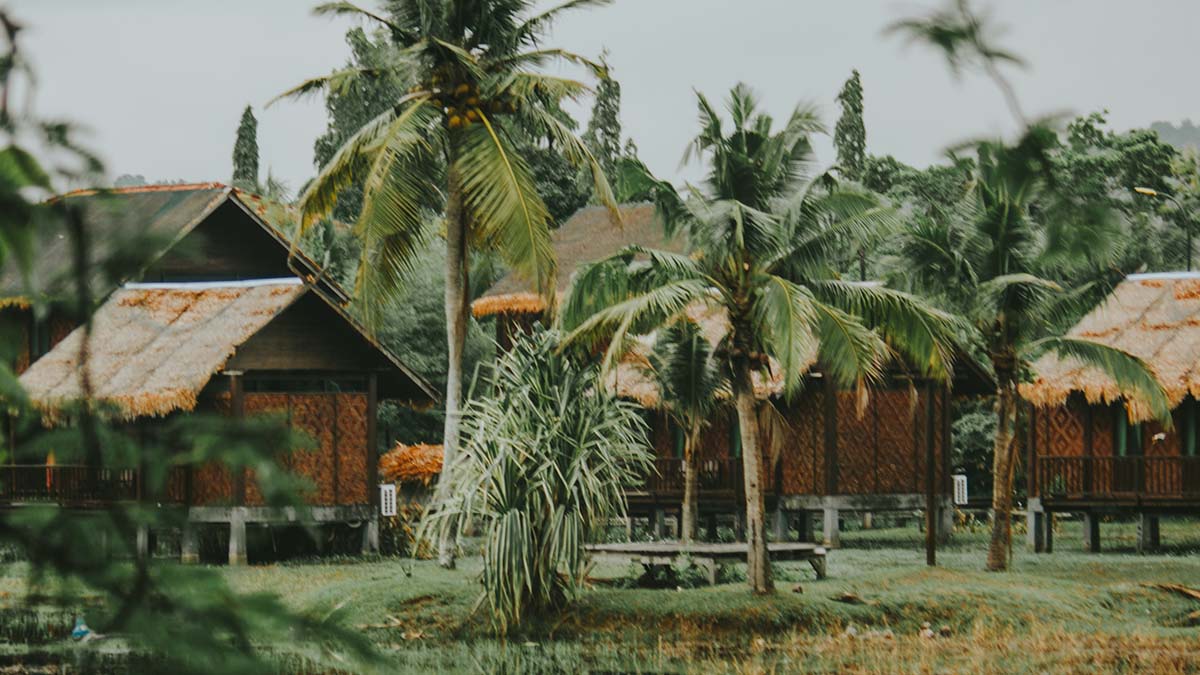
(652, 555)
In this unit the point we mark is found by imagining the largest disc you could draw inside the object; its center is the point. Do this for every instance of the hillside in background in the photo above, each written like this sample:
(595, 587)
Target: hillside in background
(1184, 135)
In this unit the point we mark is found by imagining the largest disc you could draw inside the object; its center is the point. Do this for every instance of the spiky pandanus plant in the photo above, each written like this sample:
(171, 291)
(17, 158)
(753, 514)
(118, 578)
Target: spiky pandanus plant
(766, 239)
(547, 455)
(691, 384)
(448, 145)
(1006, 256)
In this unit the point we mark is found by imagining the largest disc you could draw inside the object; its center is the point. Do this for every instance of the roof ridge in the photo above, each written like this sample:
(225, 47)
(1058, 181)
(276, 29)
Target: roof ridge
(135, 189)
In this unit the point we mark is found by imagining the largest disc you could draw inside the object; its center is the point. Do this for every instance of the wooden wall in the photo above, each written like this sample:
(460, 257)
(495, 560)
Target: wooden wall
(1063, 431)
(227, 245)
(334, 460)
(882, 451)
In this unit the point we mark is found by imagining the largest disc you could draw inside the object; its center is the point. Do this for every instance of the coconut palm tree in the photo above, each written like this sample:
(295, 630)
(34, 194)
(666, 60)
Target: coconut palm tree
(766, 239)
(690, 387)
(449, 143)
(1007, 259)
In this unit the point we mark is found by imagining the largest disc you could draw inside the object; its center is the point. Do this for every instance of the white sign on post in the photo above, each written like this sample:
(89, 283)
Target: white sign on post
(387, 499)
(960, 490)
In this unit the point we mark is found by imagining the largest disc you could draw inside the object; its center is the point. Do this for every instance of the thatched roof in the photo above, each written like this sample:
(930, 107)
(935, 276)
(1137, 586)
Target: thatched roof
(634, 376)
(1153, 316)
(587, 236)
(153, 350)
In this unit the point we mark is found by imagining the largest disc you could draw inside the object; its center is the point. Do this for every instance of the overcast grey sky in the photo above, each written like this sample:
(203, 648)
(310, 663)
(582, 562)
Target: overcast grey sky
(161, 83)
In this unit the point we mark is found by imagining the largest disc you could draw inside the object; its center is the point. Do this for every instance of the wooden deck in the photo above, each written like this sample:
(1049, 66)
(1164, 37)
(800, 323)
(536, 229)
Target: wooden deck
(710, 556)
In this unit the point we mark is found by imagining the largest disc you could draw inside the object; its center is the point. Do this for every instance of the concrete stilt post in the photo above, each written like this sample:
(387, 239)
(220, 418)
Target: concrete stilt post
(660, 524)
(832, 535)
(143, 542)
(1148, 538)
(781, 524)
(804, 528)
(189, 549)
(370, 543)
(237, 536)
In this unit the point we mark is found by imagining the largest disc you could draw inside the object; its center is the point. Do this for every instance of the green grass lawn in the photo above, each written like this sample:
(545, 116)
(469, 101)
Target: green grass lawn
(1065, 612)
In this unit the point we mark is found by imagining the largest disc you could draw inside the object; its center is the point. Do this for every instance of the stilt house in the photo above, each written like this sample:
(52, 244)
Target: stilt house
(1092, 451)
(225, 316)
(835, 458)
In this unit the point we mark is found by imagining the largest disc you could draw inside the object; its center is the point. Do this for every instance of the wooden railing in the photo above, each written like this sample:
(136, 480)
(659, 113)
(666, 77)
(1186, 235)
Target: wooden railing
(715, 475)
(1099, 478)
(76, 484)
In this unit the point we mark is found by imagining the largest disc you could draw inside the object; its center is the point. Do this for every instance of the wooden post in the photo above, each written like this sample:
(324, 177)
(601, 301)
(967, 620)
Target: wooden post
(238, 408)
(1089, 450)
(930, 480)
(1031, 455)
(372, 442)
(831, 464)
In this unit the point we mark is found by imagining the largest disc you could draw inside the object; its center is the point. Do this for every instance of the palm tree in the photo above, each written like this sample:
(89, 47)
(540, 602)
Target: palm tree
(449, 144)
(766, 238)
(690, 385)
(1007, 259)
(1009, 273)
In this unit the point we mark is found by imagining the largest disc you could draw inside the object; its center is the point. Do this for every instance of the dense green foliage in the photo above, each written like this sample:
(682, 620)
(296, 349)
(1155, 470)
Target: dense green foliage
(547, 455)
(245, 152)
(850, 133)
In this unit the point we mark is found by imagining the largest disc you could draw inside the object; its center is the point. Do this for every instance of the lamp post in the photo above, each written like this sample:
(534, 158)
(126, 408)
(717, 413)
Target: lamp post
(1187, 228)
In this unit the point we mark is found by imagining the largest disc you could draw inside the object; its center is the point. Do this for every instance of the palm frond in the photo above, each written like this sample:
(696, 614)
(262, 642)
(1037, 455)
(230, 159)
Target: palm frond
(540, 57)
(335, 82)
(1133, 376)
(351, 9)
(784, 318)
(502, 198)
(319, 198)
(538, 23)
(577, 152)
(850, 353)
(927, 338)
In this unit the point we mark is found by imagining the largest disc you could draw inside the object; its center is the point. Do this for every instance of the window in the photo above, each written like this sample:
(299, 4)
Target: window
(1127, 439)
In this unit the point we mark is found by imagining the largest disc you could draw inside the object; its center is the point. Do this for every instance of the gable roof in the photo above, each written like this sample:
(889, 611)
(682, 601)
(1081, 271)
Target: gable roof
(1155, 317)
(587, 236)
(152, 350)
(168, 213)
(162, 214)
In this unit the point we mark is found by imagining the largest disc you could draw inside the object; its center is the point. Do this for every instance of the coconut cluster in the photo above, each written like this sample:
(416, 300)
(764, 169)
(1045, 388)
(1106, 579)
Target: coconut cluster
(462, 105)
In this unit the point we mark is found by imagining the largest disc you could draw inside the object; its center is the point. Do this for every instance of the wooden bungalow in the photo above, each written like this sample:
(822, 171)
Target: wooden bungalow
(1090, 450)
(223, 317)
(834, 458)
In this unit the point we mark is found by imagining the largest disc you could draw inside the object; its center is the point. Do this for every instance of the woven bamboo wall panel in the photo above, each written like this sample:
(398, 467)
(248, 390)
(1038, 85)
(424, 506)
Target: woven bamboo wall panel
(856, 436)
(352, 449)
(804, 446)
(313, 414)
(897, 465)
(212, 484)
(264, 404)
(1064, 430)
(1102, 430)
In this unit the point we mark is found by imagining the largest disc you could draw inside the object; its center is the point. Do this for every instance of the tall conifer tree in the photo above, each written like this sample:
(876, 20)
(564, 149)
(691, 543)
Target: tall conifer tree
(850, 134)
(245, 152)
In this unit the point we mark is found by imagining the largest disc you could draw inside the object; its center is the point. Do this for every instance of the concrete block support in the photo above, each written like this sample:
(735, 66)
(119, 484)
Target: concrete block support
(237, 536)
(189, 548)
(1035, 527)
(739, 525)
(659, 523)
(1091, 532)
(831, 534)
(370, 543)
(1148, 535)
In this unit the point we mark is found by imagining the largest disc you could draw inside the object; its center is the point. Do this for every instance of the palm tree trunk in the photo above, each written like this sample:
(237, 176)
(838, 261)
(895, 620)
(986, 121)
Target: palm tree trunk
(691, 484)
(456, 335)
(758, 565)
(1003, 470)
